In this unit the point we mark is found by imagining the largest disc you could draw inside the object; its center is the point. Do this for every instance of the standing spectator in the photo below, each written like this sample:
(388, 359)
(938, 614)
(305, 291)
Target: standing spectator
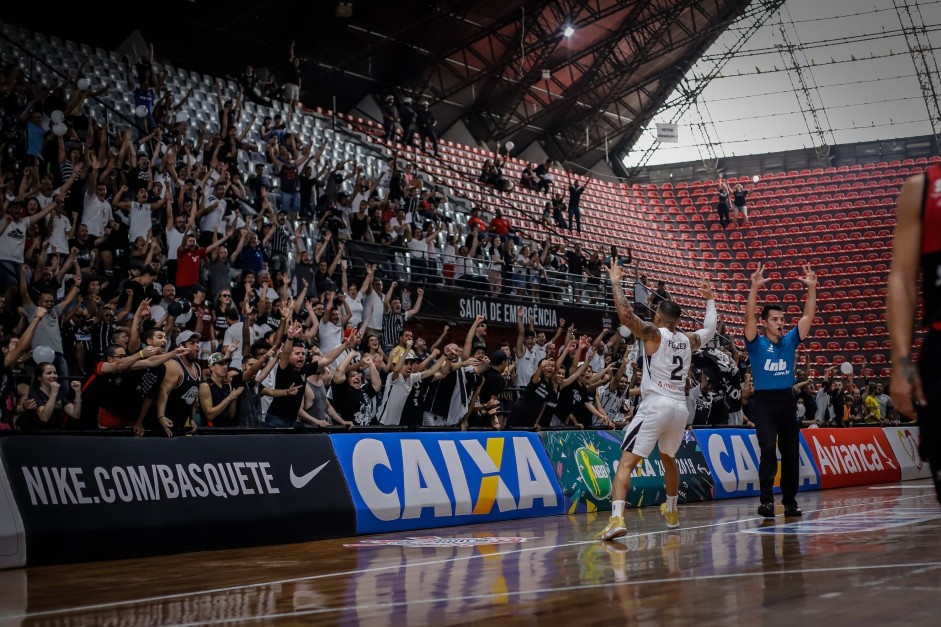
(408, 118)
(485, 409)
(738, 199)
(400, 383)
(723, 205)
(426, 126)
(394, 318)
(13, 233)
(279, 237)
(288, 378)
(351, 398)
(176, 399)
(189, 261)
(291, 90)
(13, 348)
(56, 406)
(575, 260)
(660, 294)
(49, 332)
(217, 398)
(97, 210)
(575, 197)
(390, 118)
(641, 294)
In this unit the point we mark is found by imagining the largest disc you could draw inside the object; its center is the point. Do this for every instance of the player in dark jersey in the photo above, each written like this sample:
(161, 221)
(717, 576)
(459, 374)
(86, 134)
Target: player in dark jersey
(917, 245)
(176, 402)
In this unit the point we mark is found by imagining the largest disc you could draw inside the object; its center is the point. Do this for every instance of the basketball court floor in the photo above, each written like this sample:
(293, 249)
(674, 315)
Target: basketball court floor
(866, 555)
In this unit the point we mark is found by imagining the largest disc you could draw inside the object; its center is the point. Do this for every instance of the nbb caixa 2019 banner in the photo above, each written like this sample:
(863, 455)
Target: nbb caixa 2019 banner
(402, 481)
(585, 463)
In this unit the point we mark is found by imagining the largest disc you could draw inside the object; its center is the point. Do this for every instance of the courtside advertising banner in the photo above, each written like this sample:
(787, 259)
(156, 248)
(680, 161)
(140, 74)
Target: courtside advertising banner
(904, 443)
(733, 456)
(402, 481)
(853, 456)
(585, 463)
(12, 535)
(94, 498)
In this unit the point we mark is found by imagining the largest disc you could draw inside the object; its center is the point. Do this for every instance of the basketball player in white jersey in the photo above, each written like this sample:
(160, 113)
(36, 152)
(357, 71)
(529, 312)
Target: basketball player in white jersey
(661, 417)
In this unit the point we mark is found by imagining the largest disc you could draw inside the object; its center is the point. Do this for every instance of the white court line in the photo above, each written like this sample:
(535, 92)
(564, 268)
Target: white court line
(901, 487)
(538, 591)
(179, 595)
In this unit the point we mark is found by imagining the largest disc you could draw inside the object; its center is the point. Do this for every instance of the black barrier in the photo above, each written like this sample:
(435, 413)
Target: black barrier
(87, 498)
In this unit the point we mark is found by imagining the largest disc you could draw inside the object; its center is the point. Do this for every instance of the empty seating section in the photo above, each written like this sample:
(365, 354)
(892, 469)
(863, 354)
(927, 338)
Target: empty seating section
(838, 219)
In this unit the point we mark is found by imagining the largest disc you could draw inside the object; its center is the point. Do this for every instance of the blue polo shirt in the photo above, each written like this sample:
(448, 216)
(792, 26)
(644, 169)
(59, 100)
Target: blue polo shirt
(772, 363)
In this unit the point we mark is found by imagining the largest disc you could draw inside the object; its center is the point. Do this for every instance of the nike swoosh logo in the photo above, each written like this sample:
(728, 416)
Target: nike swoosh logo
(300, 482)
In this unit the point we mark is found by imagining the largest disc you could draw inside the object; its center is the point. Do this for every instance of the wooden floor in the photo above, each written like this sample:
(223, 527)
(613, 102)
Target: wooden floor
(868, 555)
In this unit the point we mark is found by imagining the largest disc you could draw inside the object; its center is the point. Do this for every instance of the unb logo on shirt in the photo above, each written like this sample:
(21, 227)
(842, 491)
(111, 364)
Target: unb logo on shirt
(594, 472)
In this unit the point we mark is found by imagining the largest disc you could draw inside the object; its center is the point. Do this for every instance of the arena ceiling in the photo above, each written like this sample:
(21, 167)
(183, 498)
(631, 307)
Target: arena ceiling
(503, 67)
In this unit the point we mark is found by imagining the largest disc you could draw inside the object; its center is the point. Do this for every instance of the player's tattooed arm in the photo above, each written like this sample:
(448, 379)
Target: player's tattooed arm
(641, 329)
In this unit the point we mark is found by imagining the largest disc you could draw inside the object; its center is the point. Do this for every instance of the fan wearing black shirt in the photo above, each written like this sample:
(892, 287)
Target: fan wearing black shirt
(289, 379)
(486, 405)
(352, 399)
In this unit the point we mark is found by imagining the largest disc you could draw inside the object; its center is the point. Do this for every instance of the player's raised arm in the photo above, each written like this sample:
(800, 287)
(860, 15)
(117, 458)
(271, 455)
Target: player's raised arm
(642, 330)
(698, 339)
(810, 305)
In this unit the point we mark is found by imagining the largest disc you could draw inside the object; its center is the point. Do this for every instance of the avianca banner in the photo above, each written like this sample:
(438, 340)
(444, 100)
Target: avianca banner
(402, 481)
(854, 456)
(733, 456)
(904, 443)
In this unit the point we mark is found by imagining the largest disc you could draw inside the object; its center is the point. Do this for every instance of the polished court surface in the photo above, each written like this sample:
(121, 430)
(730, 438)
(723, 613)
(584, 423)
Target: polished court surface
(867, 555)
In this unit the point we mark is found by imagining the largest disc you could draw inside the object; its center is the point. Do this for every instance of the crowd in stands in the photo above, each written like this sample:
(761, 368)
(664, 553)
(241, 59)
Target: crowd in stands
(152, 282)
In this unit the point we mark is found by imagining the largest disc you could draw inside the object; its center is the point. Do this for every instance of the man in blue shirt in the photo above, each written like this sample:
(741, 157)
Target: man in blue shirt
(774, 407)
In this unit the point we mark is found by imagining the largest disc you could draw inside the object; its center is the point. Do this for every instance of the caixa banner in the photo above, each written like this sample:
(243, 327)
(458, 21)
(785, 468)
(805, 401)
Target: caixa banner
(733, 456)
(854, 456)
(94, 498)
(420, 480)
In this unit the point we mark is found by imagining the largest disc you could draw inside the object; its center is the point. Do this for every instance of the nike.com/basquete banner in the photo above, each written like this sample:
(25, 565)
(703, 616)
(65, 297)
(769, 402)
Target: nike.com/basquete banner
(402, 481)
(91, 498)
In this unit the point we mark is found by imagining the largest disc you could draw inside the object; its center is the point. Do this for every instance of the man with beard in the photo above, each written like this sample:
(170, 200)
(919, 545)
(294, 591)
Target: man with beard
(109, 395)
(176, 400)
(288, 379)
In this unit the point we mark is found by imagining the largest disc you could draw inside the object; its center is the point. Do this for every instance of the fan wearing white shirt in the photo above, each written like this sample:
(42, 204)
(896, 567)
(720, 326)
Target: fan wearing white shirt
(210, 216)
(405, 376)
(332, 324)
(96, 213)
(139, 210)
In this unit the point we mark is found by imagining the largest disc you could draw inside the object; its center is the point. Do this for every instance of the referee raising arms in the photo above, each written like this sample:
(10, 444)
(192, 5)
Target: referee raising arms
(774, 405)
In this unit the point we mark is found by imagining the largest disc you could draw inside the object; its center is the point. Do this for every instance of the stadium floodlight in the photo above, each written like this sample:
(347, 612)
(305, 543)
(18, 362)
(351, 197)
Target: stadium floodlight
(569, 31)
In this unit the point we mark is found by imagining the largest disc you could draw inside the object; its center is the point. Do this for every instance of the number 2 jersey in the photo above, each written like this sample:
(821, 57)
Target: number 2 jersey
(665, 370)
